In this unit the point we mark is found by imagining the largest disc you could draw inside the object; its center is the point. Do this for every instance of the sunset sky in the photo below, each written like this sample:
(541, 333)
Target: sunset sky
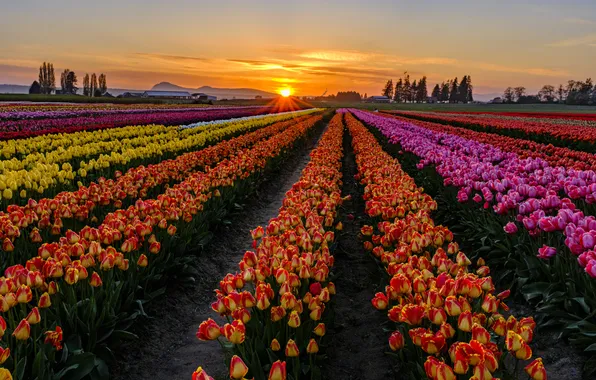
(308, 45)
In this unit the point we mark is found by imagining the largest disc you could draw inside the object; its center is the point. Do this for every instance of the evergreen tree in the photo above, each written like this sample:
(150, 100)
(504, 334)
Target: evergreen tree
(399, 91)
(413, 91)
(436, 92)
(470, 98)
(103, 85)
(407, 88)
(51, 78)
(365, 95)
(93, 85)
(462, 91)
(422, 91)
(445, 92)
(35, 88)
(453, 95)
(63, 80)
(86, 85)
(388, 89)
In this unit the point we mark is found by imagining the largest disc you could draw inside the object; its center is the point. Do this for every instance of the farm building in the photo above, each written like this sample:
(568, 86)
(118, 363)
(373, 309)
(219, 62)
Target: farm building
(129, 94)
(167, 94)
(204, 97)
(378, 99)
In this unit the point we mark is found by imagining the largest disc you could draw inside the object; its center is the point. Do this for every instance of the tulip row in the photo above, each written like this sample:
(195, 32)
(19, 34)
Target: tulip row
(541, 259)
(278, 298)
(447, 318)
(526, 189)
(36, 112)
(555, 156)
(28, 128)
(565, 117)
(6, 108)
(567, 134)
(25, 226)
(42, 173)
(87, 282)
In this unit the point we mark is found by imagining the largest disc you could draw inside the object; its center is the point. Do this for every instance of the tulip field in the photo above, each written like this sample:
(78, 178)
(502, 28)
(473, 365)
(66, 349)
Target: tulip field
(479, 228)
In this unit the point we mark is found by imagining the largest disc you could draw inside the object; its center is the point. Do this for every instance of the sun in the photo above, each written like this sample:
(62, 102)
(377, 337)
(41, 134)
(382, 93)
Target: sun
(286, 92)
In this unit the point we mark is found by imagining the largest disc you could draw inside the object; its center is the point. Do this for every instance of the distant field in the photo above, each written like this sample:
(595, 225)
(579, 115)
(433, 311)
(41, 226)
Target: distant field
(465, 107)
(80, 99)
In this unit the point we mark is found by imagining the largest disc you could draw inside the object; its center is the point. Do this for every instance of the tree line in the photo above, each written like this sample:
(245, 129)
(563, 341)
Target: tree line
(93, 85)
(574, 93)
(452, 91)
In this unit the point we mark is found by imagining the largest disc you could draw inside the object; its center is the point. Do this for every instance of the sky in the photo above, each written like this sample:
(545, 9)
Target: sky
(310, 46)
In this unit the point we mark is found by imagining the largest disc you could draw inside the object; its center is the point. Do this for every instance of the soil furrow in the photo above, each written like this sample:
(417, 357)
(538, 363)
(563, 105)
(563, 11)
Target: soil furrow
(168, 348)
(358, 342)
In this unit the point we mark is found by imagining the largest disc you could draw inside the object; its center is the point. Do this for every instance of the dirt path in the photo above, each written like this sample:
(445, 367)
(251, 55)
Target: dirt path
(358, 344)
(168, 348)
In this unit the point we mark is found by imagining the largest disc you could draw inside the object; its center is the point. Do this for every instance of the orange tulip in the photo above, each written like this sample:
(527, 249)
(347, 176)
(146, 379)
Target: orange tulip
(155, 247)
(312, 347)
(34, 317)
(72, 276)
(292, 349)
(54, 338)
(23, 330)
(95, 280)
(396, 341)
(24, 294)
(234, 332)
(208, 330)
(513, 341)
(452, 306)
(277, 371)
(380, 301)
(5, 374)
(200, 374)
(464, 322)
(524, 353)
(536, 370)
(412, 314)
(143, 261)
(275, 346)
(320, 329)
(294, 320)
(237, 368)
(4, 355)
(480, 334)
(437, 316)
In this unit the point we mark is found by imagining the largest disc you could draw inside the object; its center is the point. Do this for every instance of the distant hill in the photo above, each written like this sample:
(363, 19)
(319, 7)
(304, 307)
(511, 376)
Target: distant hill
(13, 89)
(221, 93)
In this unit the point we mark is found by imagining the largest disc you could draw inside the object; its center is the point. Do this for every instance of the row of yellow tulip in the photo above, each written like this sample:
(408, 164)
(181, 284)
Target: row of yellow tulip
(277, 299)
(83, 281)
(39, 173)
(444, 310)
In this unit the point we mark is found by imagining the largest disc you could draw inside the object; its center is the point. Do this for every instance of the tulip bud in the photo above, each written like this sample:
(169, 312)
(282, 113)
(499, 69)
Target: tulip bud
(312, 347)
(275, 346)
(34, 317)
(396, 341)
(143, 261)
(380, 302)
(23, 330)
(200, 374)
(536, 370)
(294, 320)
(4, 355)
(292, 349)
(320, 329)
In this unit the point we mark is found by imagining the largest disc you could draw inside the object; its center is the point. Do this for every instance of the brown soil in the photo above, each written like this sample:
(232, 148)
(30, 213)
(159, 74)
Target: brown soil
(168, 348)
(358, 341)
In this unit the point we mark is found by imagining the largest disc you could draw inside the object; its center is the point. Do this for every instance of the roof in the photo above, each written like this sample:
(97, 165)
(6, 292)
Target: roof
(166, 93)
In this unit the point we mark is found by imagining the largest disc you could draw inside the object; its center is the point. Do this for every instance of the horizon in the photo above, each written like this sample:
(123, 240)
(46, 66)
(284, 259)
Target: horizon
(308, 47)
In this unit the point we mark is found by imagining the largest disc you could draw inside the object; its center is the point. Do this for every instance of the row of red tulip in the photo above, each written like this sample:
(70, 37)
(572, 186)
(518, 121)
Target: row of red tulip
(278, 297)
(444, 309)
(555, 156)
(533, 129)
(85, 277)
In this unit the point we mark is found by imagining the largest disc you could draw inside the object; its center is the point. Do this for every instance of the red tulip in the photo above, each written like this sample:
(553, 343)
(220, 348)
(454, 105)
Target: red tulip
(208, 330)
(277, 371)
(237, 368)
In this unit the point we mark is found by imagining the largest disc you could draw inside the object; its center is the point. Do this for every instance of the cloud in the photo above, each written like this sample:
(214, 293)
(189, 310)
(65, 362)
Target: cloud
(539, 71)
(172, 58)
(578, 21)
(338, 55)
(577, 41)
